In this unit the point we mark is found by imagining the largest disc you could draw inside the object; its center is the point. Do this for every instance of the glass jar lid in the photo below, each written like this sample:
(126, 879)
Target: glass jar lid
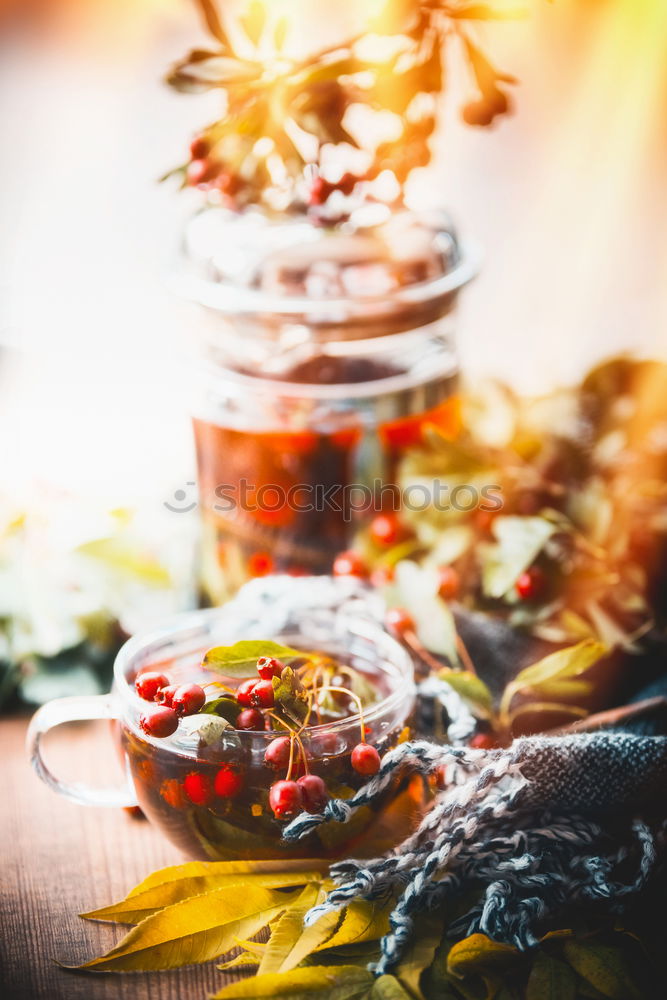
(377, 273)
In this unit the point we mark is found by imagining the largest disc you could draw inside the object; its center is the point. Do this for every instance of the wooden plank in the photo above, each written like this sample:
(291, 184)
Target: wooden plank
(59, 859)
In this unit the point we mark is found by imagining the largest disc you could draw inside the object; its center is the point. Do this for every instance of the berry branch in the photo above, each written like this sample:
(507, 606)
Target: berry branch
(281, 116)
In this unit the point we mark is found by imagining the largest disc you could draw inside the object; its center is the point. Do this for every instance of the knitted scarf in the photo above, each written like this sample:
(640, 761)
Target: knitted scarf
(547, 825)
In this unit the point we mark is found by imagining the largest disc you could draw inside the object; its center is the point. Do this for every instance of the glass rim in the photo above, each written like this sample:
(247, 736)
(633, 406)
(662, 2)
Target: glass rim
(241, 301)
(193, 624)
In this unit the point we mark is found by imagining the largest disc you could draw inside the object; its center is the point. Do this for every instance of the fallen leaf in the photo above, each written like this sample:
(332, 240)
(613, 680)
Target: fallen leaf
(550, 979)
(194, 930)
(342, 982)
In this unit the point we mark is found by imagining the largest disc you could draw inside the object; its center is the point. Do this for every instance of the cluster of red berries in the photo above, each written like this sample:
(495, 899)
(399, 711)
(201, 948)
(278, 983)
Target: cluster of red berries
(320, 189)
(205, 172)
(174, 700)
(200, 788)
(286, 797)
(254, 695)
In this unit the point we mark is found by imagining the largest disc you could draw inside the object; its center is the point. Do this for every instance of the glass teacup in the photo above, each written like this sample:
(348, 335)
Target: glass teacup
(175, 780)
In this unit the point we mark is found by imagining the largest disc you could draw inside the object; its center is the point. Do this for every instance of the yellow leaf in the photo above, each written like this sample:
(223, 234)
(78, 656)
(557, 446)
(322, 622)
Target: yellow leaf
(604, 967)
(550, 979)
(306, 940)
(477, 954)
(565, 665)
(139, 905)
(388, 988)
(194, 930)
(363, 921)
(126, 559)
(195, 869)
(337, 982)
(286, 931)
(242, 960)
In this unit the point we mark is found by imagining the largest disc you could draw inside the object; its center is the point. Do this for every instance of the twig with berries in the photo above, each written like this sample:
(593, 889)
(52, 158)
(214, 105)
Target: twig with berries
(281, 115)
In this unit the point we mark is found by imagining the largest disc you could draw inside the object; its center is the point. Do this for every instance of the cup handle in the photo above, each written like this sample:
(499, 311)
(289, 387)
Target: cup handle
(76, 709)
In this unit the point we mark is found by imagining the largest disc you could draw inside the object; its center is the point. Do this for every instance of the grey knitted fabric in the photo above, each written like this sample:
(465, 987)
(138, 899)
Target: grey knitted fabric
(540, 828)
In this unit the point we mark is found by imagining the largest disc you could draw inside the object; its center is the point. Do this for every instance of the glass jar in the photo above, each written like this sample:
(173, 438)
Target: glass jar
(325, 354)
(176, 780)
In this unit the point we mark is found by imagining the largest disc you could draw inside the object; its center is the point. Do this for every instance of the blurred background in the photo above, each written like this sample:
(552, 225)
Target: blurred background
(567, 199)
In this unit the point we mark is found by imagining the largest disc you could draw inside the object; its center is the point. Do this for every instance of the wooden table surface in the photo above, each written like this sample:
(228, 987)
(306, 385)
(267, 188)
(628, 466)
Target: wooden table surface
(59, 859)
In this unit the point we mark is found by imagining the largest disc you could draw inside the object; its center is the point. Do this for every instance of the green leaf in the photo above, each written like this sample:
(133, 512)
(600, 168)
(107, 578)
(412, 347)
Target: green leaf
(194, 930)
(478, 954)
(471, 688)
(550, 979)
(562, 666)
(604, 967)
(240, 659)
(225, 707)
(290, 695)
(417, 588)
(342, 982)
(519, 541)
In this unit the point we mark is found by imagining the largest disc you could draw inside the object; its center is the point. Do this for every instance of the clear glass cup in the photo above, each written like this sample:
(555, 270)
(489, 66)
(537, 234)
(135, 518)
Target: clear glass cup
(325, 353)
(335, 616)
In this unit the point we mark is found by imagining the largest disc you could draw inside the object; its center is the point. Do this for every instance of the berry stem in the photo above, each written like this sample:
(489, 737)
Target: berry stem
(357, 701)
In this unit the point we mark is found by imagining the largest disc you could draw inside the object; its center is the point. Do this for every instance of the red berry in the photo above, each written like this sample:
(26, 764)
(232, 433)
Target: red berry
(319, 191)
(484, 521)
(188, 699)
(227, 782)
(482, 741)
(198, 788)
(166, 694)
(530, 585)
(172, 793)
(260, 564)
(147, 685)
(199, 171)
(244, 692)
(314, 793)
(399, 621)
(250, 718)
(228, 183)
(349, 563)
(160, 723)
(269, 666)
(278, 752)
(286, 799)
(383, 575)
(449, 583)
(386, 530)
(262, 695)
(199, 148)
(347, 182)
(365, 759)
